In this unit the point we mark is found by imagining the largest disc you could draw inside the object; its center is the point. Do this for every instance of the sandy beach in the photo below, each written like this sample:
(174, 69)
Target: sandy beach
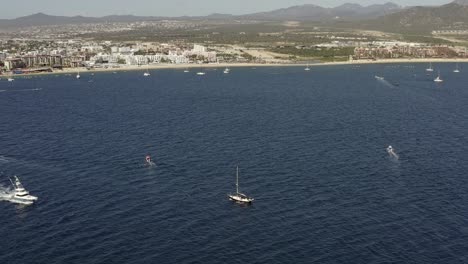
(197, 67)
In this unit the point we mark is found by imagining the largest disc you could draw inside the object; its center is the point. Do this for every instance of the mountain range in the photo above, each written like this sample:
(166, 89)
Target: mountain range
(303, 13)
(388, 17)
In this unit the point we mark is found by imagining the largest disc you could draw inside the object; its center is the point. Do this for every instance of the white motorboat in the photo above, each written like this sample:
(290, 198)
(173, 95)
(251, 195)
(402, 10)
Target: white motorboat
(10, 79)
(78, 75)
(149, 161)
(227, 70)
(20, 194)
(307, 68)
(456, 69)
(239, 197)
(186, 70)
(379, 77)
(430, 69)
(201, 73)
(146, 74)
(391, 152)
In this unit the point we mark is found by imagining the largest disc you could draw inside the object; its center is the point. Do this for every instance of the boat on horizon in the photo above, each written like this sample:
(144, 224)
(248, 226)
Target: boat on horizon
(146, 74)
(226, 71)
(456, 69)
(10, 79)
(238, 196)
(201, 73)
(78, 75)
(307, 68)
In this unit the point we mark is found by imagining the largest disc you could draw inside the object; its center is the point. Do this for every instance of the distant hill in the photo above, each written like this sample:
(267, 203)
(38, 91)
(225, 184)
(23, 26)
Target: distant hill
(311, 12)
(304, 13)
(422, 19)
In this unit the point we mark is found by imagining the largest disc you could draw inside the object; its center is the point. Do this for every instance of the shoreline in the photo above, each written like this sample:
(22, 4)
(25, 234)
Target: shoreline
(236, 65)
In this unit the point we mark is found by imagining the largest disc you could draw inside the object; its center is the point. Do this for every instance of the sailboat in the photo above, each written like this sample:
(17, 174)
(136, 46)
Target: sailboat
(239, 197)
(456, 69)
(430, 69)
(226, 71)
(78, 75)
(438, 79)
(307, 68)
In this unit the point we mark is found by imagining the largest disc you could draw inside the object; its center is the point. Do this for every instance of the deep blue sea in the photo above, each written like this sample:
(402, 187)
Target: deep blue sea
(310, 146)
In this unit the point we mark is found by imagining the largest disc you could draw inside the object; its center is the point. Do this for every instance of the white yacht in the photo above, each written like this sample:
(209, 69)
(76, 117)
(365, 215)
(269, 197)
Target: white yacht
(430, 69)
(201, 73)
(239, 197)
(186, 70)
(379, 77)
(307, 68)
(456, 69)
(20, 194)
(438, 79)
(227, 70)
(146, 72)
(10, 79)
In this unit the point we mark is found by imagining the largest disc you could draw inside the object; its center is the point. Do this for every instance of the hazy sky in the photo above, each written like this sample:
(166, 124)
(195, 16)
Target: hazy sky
(12, 8)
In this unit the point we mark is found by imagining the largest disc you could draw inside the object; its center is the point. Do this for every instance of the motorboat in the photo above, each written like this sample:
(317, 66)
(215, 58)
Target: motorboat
(456, 69)
(226, 71)
(201, 73)
(379, 77)
(20, 195)
(149, 161)
(10, 79)
(239, 197)
(307, 68)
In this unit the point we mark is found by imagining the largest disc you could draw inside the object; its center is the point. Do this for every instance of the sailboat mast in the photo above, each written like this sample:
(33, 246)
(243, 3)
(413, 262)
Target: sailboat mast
(237, 179)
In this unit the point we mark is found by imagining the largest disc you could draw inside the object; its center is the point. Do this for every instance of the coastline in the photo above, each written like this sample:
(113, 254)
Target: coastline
(236, 65)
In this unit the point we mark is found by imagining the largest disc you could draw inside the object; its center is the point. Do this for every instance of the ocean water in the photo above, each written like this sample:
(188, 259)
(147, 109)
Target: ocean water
(310, 146)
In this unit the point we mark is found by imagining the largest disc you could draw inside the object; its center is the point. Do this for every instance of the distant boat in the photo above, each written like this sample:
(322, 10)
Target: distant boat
(186, 70)
(307, 68)
(239, 197)
(430, 69)
(146, 72)
(78, 75)
(391, 152)
(227, 70)
(148, 160)
(10, 79)
(456, 69)
(201, 73)
(379, 77)
(438, 79)
(20, 195)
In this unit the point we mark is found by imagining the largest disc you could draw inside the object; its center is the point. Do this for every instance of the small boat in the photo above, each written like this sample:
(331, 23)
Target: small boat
(201, 73)
(239, 197)
(10, 79)
(379, 77)
(78, 75)
(227, 70)
(438, 79)
(430, 69)
(148, 160)
(307, 68)
(186, 70)
(146, 72)
(456, 69)
(20, 194)
(391, 152)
